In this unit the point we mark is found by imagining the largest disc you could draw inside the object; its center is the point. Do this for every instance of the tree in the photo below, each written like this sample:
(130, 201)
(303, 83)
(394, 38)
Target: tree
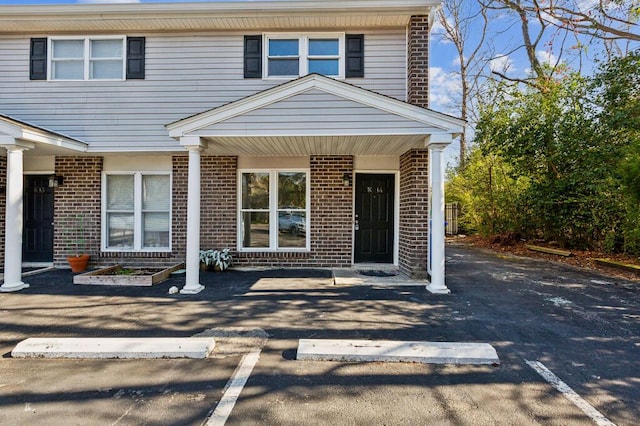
(548, 135)
(459, 18)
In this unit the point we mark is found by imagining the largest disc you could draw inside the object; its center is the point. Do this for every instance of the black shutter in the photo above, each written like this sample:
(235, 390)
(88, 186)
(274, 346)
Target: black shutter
(38, 59)
(135, 58)
(253, 56)
(354, 62)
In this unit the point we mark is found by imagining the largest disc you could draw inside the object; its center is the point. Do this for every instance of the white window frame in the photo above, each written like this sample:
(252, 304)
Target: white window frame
(138, 237)
(303, 53)
(273, 212)
(87, 57)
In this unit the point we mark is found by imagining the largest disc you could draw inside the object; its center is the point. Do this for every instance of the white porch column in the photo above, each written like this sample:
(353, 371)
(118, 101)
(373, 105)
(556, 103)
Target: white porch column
(192, 285)
(437, 144)
(13, 220)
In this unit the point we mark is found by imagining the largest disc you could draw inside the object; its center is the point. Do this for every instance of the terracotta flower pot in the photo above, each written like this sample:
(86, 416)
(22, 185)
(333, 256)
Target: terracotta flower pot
(78, 263)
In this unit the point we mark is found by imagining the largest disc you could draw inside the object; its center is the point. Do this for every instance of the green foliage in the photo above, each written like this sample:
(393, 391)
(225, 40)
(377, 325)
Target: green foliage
(559, 160)
(487, 193)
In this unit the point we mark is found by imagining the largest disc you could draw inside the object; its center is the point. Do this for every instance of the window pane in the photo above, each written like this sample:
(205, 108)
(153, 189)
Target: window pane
(68, 70)
(324, 47)
(292, 229)
(156, 229)
(105, 69)
(255, 229)
(284, 67)
(255, 191)
(292, 190)
(106, 48)
(68, 49)
(120, 192)
(155, 193)
(120, 230)
(323, 66)
(287, 47)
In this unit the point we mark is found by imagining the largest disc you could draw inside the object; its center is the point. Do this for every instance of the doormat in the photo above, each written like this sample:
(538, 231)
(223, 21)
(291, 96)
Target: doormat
(378, 273)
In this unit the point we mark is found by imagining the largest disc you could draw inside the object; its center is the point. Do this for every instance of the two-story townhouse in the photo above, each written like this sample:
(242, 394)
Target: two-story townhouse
(296, 133)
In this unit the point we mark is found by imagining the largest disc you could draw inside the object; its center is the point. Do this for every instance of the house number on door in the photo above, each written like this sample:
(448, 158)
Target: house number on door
(379, 190)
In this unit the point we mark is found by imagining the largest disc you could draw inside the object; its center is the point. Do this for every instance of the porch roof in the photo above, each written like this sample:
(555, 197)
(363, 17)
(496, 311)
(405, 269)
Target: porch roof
(315, 115)
(48, 142)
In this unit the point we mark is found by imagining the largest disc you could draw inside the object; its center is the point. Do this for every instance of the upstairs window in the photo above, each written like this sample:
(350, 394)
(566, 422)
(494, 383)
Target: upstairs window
(87, 58)
(289, 56)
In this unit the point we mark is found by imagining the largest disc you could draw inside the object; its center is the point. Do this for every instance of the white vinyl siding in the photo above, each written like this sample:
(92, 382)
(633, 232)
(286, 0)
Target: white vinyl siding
(331, 115)
(185, 75)
(136, 211)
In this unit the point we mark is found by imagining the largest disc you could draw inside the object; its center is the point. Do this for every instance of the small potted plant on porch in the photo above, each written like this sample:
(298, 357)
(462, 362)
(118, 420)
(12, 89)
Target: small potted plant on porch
(78, 260)
(215, 260)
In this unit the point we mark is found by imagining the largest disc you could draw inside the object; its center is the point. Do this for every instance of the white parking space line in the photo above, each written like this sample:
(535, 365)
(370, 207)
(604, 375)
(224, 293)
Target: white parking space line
(234, 387)
(570, 394)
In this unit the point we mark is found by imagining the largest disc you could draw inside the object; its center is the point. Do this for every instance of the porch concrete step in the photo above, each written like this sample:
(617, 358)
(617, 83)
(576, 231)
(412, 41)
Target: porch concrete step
(157, 347)
(396, 351)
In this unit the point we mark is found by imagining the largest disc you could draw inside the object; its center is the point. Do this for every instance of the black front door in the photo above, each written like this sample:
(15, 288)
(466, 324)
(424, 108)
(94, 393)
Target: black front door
(37, 235)
(374, 218)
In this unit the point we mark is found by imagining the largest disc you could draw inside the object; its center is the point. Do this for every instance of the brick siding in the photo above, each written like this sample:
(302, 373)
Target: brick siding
(77, 208)
(418, 61)
(414, 189)
(331, 230)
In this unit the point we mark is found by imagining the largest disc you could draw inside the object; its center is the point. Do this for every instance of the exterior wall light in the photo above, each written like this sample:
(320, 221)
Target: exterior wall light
(346, 179)
(55, 181)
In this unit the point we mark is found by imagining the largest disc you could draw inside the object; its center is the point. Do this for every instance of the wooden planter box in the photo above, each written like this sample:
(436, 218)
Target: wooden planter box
(103, 277)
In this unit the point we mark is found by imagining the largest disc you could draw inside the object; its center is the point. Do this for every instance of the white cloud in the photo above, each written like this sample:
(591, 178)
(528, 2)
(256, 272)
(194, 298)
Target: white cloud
(444, 87)
(546, 58)
(501, 64)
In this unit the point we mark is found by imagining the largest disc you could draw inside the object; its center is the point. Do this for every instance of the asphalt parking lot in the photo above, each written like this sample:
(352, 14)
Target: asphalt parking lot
(583, 327)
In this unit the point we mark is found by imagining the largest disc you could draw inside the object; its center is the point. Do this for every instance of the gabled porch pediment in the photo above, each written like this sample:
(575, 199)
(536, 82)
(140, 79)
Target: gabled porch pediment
(315, 115)
(13, 131)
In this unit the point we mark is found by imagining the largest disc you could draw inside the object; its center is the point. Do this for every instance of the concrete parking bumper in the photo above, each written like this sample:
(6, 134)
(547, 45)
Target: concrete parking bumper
(395, 351)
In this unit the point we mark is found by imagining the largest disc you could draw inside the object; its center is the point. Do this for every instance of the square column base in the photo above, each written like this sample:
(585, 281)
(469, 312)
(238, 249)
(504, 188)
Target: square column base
(7, 288)
(192, 290)
(435, 290)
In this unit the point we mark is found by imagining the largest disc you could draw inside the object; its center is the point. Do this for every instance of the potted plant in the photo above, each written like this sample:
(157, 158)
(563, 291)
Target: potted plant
(216, 260)
(78, 260)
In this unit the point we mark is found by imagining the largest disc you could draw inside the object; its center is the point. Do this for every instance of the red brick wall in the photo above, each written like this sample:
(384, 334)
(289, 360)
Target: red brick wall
(418, 61)
(331, 210)
(3, 200)
(77, 201)
(331, 230)
(81, 195)
(218, 202)
(331, 213)
(414, 189)
(180, 177)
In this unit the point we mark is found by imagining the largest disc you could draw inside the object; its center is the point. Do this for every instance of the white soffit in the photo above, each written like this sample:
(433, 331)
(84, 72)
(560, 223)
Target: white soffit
(224, 15)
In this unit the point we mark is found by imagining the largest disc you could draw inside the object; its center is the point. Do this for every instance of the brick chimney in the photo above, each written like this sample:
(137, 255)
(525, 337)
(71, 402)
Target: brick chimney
(418, 61)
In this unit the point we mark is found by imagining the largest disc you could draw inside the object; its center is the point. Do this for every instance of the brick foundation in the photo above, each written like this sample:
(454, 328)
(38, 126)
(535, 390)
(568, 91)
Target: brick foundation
(414, 190)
